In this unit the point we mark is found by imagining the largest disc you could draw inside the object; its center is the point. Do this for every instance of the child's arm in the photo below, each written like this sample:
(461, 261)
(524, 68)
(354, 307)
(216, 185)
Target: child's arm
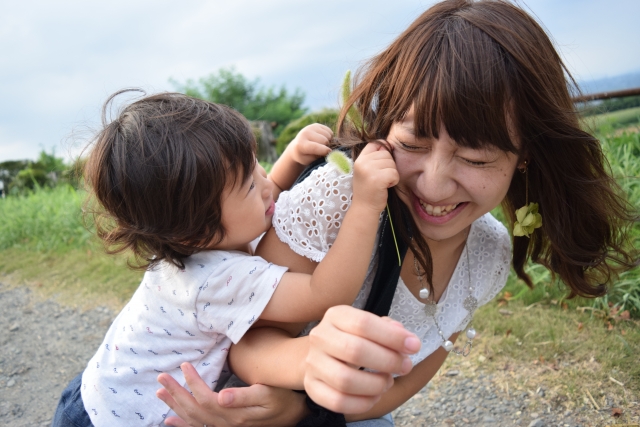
(339, 277)
(310, 144)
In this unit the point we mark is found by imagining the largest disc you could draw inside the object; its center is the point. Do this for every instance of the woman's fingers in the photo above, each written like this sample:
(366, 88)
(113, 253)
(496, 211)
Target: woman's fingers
(255, 395)
(344, 377)
(379, 330)
(201, 391)
(176, 422)
(196, 409)
(360, 352)
(346, 339)
(336, 401)
(175, 396)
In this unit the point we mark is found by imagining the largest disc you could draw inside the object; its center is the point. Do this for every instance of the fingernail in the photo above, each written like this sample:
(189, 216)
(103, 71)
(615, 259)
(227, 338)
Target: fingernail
(412, 344)
(225, 398)
(162, 381)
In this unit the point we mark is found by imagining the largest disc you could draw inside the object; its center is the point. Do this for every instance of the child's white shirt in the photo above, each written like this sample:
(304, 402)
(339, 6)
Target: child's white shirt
(175, 316)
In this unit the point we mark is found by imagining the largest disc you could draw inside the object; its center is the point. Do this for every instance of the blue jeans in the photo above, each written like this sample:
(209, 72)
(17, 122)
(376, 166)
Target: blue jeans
(386, 421)
(70, 411)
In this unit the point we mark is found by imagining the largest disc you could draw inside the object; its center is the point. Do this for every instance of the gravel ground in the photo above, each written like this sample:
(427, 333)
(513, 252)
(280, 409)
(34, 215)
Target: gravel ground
(43, 345)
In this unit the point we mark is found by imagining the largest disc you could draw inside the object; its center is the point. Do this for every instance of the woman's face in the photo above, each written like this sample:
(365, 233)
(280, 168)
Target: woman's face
(446, 186)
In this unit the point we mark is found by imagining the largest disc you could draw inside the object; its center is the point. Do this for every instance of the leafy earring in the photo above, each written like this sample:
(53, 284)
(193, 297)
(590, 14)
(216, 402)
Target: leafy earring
(527, 217)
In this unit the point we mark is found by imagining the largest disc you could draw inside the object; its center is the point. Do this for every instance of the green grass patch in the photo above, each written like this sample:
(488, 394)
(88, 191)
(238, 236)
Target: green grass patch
(44, 242)
(572, 349)
(43, 220)
(606, 123)
(77, 277)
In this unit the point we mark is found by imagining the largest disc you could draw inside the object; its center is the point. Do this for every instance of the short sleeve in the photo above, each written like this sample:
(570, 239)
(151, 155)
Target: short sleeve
(501, 266)
(233, 297)
(308, 217)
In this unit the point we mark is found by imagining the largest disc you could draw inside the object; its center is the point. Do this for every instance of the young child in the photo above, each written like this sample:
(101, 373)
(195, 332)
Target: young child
(179, 186)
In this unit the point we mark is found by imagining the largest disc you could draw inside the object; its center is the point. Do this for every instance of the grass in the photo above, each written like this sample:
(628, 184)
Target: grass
(561, 358)
(607, 123)
(44, 242)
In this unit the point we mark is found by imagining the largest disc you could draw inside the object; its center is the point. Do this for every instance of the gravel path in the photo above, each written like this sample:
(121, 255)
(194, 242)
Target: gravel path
(43, 345)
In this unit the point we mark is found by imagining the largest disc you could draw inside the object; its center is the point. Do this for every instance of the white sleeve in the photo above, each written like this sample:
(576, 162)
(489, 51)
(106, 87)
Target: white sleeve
(234, 296)
(308, 217)
(501, 265)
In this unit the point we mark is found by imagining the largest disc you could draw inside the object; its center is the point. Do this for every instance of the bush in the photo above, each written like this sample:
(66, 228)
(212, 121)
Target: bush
(326, 117)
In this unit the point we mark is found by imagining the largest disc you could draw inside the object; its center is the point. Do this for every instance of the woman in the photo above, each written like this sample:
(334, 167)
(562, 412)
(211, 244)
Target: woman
(473, 101)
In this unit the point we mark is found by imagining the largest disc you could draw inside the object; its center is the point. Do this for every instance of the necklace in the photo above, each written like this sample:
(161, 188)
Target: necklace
(470, 304)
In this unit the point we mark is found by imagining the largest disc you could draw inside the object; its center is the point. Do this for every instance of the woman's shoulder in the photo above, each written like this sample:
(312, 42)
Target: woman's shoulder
(490, 256)
(487, 226)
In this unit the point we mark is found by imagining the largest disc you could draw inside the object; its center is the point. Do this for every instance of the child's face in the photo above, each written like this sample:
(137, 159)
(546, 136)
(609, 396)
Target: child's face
(247, 209)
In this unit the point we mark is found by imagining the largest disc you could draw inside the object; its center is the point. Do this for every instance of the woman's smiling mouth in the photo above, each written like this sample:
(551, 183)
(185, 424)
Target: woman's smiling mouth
(437, 214)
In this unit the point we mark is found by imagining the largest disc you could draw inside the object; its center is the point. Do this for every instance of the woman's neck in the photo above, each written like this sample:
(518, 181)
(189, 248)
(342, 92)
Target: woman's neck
(445, 255)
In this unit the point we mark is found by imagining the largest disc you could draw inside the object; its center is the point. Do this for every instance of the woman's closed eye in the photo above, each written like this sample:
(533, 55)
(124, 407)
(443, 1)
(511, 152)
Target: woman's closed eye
(475, 162)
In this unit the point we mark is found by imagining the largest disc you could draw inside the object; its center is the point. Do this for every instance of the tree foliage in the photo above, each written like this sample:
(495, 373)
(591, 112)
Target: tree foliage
(255, 102)
(20, 176)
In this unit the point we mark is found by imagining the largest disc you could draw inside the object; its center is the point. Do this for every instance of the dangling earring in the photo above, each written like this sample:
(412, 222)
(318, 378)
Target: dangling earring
(527, 217)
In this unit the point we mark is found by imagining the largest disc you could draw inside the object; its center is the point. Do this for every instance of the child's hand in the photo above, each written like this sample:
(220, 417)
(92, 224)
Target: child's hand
(374, 171)
(312, 142)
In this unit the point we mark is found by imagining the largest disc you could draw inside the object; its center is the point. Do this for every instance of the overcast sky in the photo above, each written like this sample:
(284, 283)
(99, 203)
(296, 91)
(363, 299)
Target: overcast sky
(59, 60)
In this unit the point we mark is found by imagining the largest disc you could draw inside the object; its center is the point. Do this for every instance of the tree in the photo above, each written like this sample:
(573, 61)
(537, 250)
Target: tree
(227, 86)
(23, 175)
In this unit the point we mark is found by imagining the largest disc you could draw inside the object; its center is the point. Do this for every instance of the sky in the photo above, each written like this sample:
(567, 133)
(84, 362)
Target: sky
(59, 61)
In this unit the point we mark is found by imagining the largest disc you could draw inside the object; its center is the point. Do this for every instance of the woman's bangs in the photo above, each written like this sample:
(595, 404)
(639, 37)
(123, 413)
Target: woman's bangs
(466, 89)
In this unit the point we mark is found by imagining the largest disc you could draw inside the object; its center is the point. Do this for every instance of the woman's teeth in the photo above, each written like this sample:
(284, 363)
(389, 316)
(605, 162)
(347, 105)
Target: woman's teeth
(437, 210)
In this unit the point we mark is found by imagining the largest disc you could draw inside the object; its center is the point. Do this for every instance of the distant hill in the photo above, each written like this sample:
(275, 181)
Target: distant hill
(608, 84)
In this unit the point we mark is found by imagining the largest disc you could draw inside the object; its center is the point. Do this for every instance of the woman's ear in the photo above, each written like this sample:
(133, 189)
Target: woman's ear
(522, 164)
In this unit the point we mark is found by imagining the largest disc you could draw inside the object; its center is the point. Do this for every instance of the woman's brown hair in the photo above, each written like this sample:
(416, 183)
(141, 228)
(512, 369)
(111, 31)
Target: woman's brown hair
(158, 172)
(481, 69)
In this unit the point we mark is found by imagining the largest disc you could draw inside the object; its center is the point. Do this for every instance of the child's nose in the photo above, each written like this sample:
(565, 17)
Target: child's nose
(267, 190)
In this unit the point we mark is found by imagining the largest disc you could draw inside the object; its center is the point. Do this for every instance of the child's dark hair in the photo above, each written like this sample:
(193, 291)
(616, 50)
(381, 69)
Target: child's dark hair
(480, 69)
(158, 172)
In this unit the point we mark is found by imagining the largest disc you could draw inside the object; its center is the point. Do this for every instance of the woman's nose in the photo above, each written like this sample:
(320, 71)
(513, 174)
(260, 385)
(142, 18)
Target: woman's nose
(436, 182)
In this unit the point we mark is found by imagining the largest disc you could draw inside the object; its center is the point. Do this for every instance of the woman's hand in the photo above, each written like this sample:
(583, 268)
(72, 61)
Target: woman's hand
(258, 405)
(345, 340)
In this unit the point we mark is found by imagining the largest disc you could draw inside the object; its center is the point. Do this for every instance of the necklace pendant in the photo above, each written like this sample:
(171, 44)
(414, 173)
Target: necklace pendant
(471, 333)
(470, 303)
(424, 293)
(448, 345)
(430, 310)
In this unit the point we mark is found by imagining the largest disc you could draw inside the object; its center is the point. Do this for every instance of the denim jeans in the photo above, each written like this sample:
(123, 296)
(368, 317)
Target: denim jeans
(386, 421)
(70, 411)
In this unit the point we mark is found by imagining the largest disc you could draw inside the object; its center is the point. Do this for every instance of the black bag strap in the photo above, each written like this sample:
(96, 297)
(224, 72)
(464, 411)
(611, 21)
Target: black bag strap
(387, 274)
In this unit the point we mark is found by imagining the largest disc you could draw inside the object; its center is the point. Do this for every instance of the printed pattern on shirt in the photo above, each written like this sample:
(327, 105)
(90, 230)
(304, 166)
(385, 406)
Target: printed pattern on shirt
(175, 316)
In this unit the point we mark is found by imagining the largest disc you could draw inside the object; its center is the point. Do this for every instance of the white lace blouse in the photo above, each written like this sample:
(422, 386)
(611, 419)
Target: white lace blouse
(309, 216)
